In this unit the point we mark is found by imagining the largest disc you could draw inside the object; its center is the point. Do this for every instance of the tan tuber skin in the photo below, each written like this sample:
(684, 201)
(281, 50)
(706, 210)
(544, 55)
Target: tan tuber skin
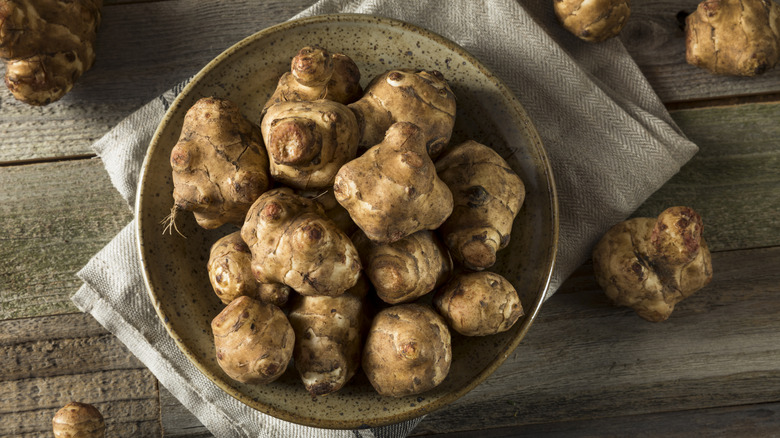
(219, 164)
(329, 333)
(416, 96)
(308, 142)
(230, 273)
(651, 264)
(734, 37)
(78, 420)
(479, 304)
(315, 74)
(392, 190)
(47, 45)
(593, 20)
(333, 210)
(407, 269)
(254, 341)
(407, 351)
(292, 242)
(488, 195)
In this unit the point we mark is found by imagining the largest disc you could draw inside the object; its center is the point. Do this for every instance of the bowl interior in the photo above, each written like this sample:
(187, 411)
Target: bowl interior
(175, 267)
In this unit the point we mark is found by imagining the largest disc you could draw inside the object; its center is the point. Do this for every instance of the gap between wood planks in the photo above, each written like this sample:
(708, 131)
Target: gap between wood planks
(723, 101)
(47, 160)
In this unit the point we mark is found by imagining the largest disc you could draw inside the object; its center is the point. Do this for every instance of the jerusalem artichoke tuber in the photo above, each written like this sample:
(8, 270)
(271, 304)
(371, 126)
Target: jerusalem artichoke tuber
(292, 242)
(392, 190)
(651, 264)
(593, 20)
(488, 195)
(47, 46)
(219, 164)
(78, 420)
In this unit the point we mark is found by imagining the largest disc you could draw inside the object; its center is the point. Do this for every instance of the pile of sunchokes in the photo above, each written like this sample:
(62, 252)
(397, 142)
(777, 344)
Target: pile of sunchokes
(345, 202)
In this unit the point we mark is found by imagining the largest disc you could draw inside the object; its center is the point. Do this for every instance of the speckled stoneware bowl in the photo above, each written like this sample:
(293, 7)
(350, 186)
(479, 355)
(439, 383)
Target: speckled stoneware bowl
(175, 267)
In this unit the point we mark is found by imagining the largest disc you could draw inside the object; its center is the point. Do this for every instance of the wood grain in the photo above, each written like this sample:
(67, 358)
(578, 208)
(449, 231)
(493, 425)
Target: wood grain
(584, 359)
(734, 180)
(50, 361)
(176, 420)
(751, 421)
(656, 40)
(143, 49)
(53, 218)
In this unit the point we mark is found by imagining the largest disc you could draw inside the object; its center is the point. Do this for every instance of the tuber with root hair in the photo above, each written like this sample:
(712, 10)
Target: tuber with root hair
(219, 165)
(651, 264)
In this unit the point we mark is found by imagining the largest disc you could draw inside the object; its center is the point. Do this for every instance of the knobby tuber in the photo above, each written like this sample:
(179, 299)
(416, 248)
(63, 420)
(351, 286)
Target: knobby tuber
(308, 142)
(479, 303)
(315, 74)
(329, 333)
(230, 273)
(333, 210)
(292, 242)
(392, 190)
(421, 97)
(593, 20)
(254, 341)
(734, 37)
(487, 194)
(219, 164)
(406, 269)
(47, 46)
(407, 351)
(78, 420)
(651, 264)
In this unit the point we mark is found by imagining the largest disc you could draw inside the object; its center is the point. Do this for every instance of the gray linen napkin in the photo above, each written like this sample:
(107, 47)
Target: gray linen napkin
(610, 141)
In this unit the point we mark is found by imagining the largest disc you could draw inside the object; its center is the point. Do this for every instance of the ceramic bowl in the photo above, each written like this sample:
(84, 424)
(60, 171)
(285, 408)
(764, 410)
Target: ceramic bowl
(175, 268)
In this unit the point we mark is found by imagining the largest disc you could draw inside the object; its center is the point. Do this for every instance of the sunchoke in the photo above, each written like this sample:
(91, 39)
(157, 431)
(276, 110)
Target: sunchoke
(734, 37)
(329, 335)
(309, 141)
(406, 269)
(420, 97)
(408, 350)
(78, 420)
(392, 190)
(488, 195)
(315, 74)
(230, 273)
(219, 164)
(651, 264)
(254, 341)
(292, 242)
(47, 46)
(593, 20)
(479, 304)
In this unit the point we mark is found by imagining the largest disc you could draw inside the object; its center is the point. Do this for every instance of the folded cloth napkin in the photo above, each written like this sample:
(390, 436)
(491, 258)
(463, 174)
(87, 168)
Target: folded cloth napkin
(609, 139)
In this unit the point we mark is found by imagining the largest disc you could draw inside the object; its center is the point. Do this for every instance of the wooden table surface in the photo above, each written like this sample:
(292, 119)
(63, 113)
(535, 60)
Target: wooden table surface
(586, 368)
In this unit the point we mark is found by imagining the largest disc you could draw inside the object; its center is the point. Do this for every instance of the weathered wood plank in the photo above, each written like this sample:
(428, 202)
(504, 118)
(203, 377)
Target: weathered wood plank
(734, 180)
(761, 420)
(585, 359)
(143, 49)
(655, 39)
(50, 361)
(54, 217)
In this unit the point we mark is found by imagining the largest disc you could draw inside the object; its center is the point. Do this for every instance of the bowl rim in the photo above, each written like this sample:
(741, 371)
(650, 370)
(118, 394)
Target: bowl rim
(501, 355)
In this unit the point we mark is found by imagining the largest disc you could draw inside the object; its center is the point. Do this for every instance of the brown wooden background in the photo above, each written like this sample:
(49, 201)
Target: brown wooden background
(585, 369)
